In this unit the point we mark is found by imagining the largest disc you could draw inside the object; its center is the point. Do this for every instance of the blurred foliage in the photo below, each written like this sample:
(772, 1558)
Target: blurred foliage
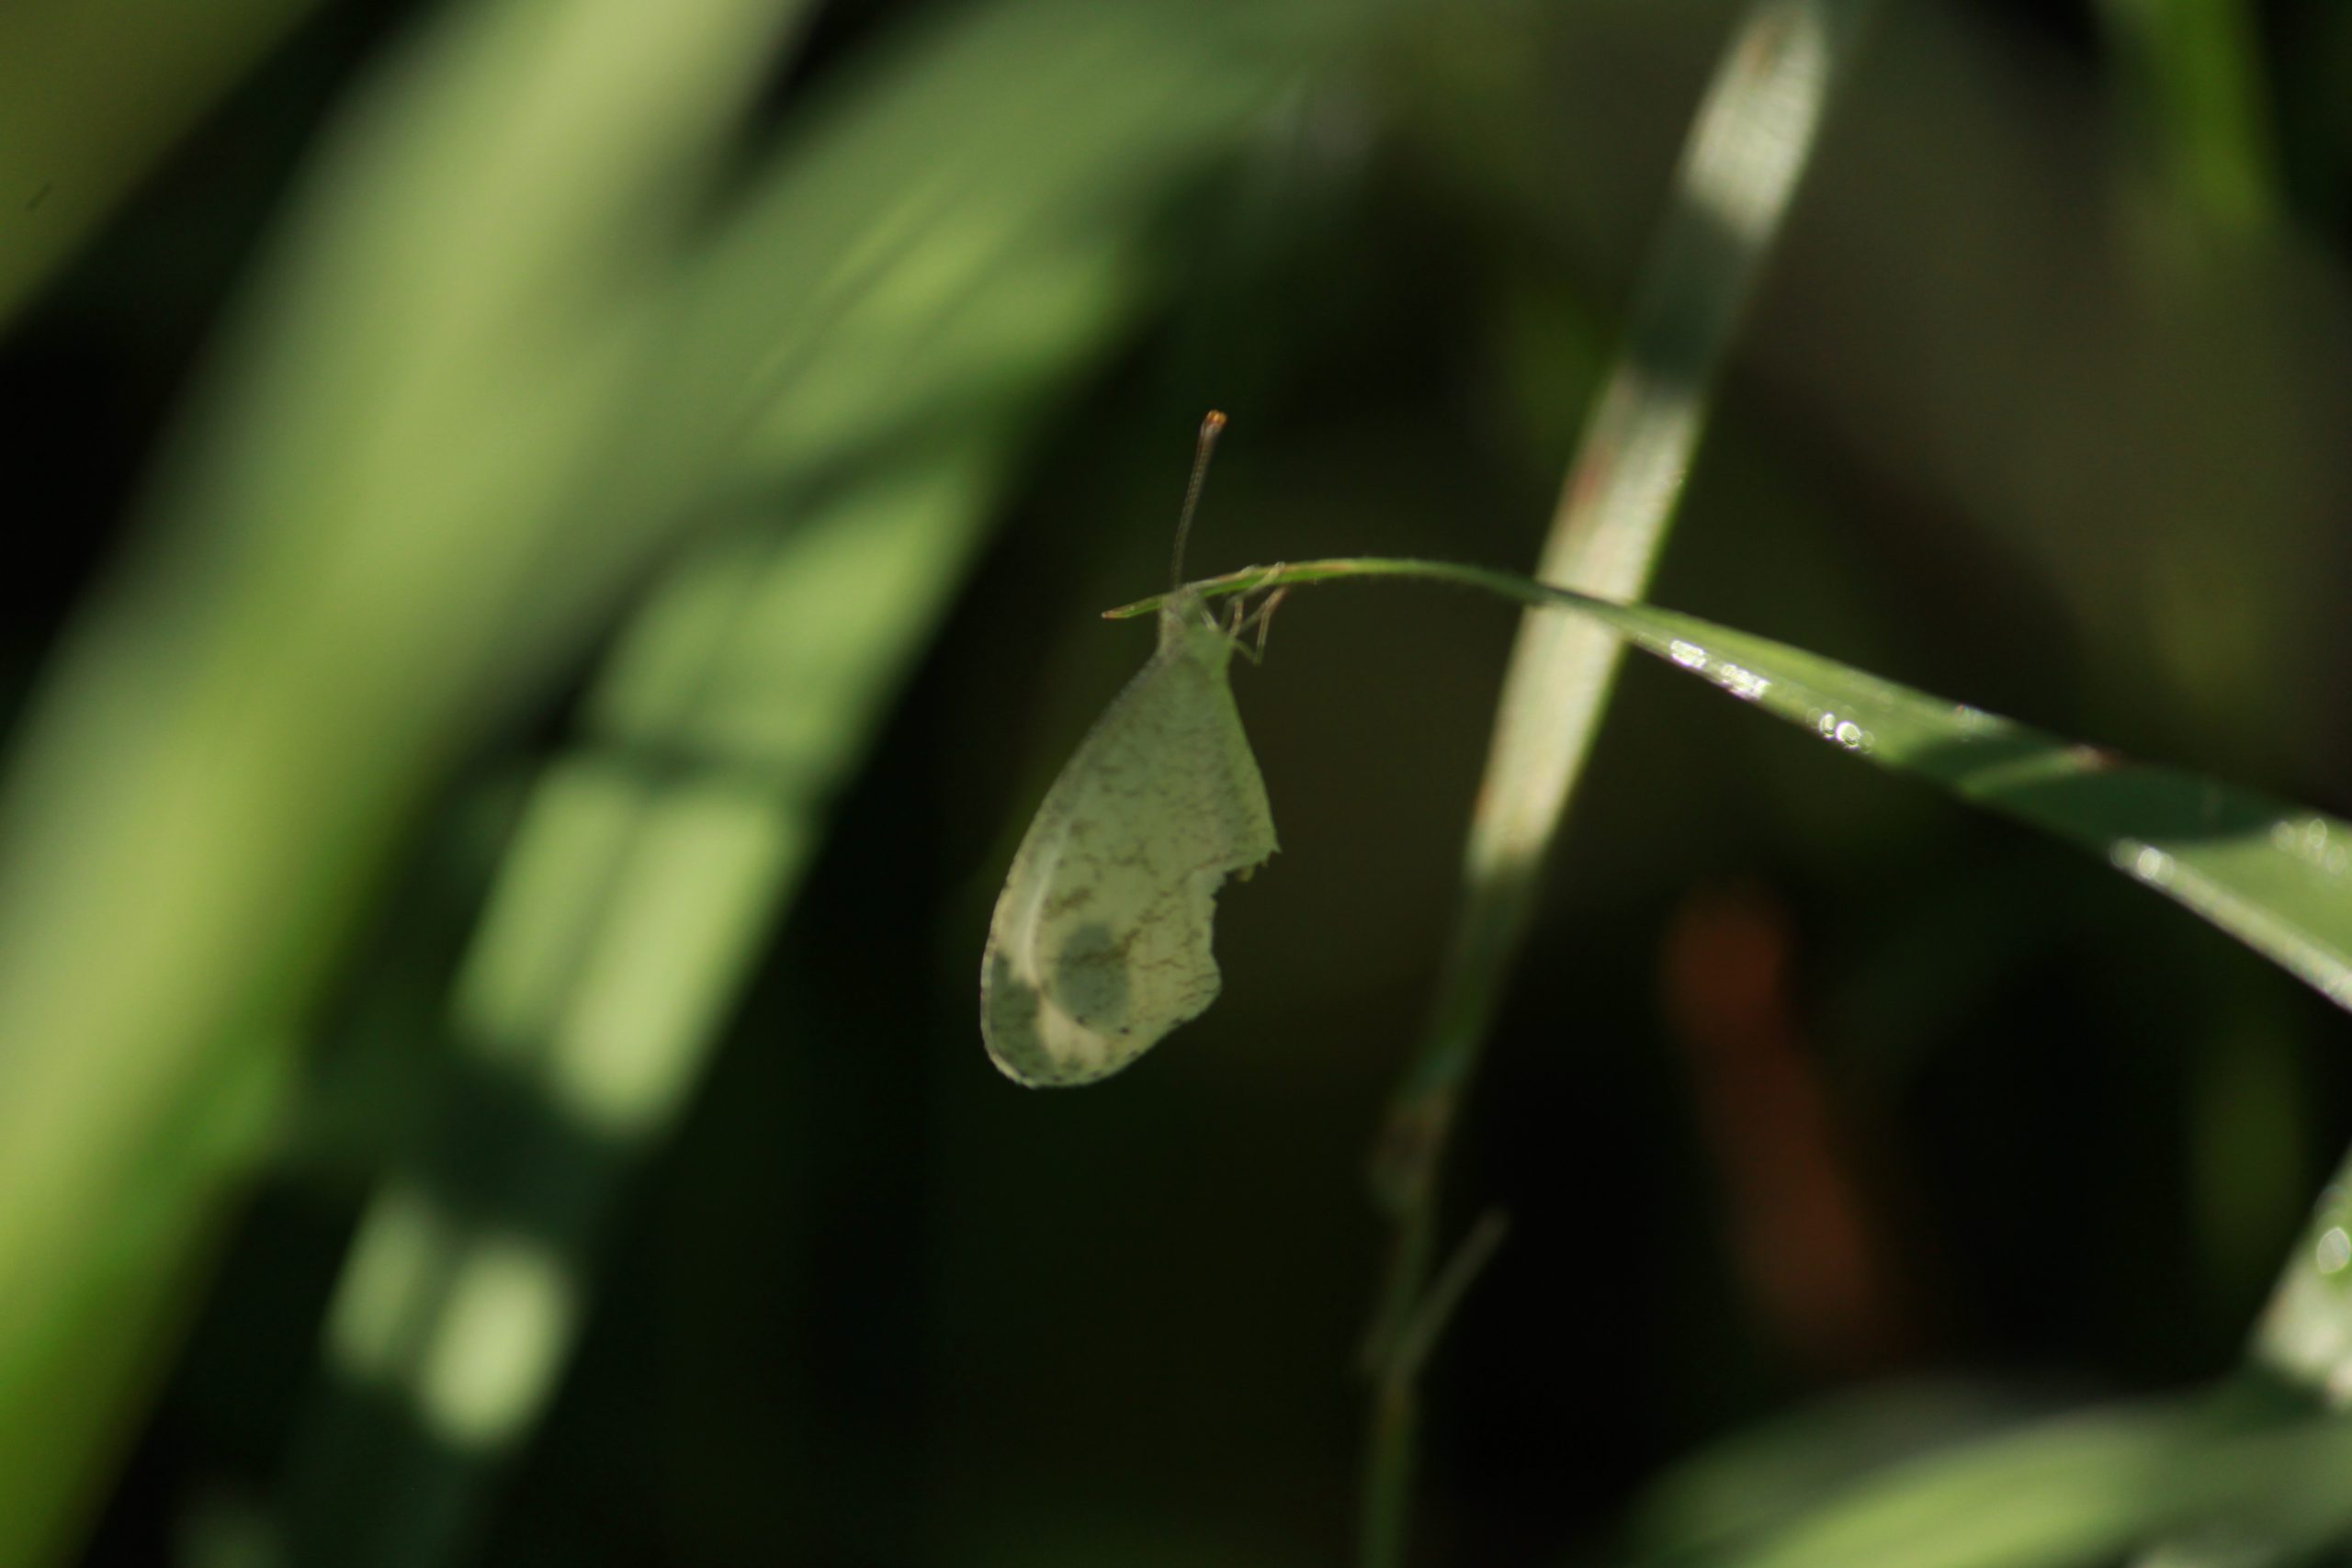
(566, 543)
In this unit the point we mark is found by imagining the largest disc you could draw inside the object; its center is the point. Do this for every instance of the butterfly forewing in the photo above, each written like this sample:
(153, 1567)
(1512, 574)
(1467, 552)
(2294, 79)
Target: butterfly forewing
(1101, 941)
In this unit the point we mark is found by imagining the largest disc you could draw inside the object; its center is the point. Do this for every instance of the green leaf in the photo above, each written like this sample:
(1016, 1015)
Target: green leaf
(336, 580)
(2272, 874)
(2079, 1488)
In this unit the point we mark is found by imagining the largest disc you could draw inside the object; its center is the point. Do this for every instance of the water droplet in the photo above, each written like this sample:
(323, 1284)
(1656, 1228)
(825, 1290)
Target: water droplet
(1744, 685)
(1690, 655)
(2335, 1250)
(2311, 841)
(2146, 862)
(1852, 736)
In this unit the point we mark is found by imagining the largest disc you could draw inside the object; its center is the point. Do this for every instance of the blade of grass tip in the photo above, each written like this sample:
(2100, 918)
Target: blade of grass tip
(142, 72)
(2301, 1347)
(2304, 1334)
(330, 578)
(1749, 143)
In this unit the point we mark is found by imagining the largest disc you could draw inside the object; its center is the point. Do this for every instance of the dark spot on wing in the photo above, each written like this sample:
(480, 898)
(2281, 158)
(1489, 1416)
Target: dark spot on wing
(1090, 978)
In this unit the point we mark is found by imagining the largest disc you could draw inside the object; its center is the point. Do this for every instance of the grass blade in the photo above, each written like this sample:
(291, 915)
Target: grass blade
(648, 868)
(2275, 876)
(2079, 1488)
(629, 911)
(1746, 149)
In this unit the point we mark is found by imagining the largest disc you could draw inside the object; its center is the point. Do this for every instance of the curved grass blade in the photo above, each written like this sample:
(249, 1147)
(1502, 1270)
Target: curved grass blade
(2275, 876)
(2272, 874)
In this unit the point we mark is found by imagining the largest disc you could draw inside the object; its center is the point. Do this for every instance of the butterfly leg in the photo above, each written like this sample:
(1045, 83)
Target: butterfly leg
(1262, 619)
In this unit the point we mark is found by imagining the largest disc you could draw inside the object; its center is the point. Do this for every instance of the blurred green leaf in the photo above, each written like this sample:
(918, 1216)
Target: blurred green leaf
(2080, 1488)
(1763, 1478)
(2193, 79)
(336, 586)
(630, 909)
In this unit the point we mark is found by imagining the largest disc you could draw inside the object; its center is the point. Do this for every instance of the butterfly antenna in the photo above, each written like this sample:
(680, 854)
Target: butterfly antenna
(1210, 429)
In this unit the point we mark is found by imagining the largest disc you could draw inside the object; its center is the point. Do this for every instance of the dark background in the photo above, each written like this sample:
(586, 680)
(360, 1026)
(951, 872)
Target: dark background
(2013, 419)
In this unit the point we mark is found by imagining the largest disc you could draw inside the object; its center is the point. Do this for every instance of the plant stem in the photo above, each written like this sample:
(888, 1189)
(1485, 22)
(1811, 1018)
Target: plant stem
(1284, 574)
(1749, 143)
(1396, 1401)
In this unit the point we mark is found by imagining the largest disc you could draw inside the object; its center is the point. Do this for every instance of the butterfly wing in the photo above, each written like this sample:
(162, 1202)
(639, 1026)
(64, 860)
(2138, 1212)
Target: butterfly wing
(1101, 941)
